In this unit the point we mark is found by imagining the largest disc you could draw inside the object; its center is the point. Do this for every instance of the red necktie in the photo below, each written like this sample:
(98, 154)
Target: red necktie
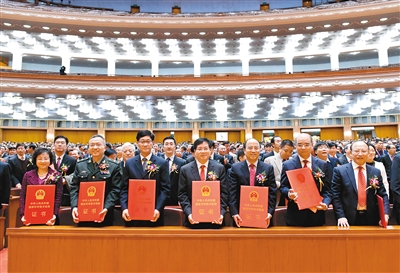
(58, 162)
(202, 173)
(252, 174)
(362, 194)
(305, 163)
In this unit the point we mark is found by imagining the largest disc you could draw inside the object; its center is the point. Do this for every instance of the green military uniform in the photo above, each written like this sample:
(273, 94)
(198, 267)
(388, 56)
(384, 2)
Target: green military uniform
(109, 171)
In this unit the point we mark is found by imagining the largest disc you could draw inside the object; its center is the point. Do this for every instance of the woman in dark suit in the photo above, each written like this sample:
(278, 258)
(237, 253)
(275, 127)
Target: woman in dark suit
(43, 174)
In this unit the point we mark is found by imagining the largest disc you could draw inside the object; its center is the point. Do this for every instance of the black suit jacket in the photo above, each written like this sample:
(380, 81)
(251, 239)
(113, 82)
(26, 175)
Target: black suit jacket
(190, 173)
(265, 155)
(240, 175)
(85, 171)
(134, 170)
(395, 183)
(17, 173)
(305, 217)
(332, 163)
(387, 162)
(5, 183)
(68, 161)
(174, 181)
(343, 160)
(345, 194)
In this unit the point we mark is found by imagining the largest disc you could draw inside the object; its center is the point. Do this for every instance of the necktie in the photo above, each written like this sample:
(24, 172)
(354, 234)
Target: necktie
(169, 163)
(144, 163)
(392, 157)
(58, 162)
(252, 174)
(202, 173)
(305, 163)
(362, 194)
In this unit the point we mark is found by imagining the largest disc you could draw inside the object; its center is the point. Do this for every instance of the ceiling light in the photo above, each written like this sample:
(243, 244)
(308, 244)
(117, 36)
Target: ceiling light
(348, 94)
(64, 29)
(202, 33)
(117, 32)
(391, 91)
(40, 98)
(46, 57)
(100, 99)
(291, 28)
(27, 26)
(200, 99)
(46, 28)
(354, 52)
(364, 21)
(184, 33)
(150, 33)
(327, 95)
(309, 27)
(327, 25)
(274, 30)
(383, 19)
(284, 97)
(167, 33)
(60, 98)
(133, 32)
(241, 98)
(345, 23)
(82, 30)
(220, 32)
(256, 31)
(238, 32)
(263, 98)
(7, 24)
(99, 31)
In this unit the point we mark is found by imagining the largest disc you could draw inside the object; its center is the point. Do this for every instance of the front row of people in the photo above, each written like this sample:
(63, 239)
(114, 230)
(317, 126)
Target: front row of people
(352, 190)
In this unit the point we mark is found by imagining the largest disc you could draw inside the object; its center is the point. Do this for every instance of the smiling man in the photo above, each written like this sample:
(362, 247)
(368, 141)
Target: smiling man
(97, 168)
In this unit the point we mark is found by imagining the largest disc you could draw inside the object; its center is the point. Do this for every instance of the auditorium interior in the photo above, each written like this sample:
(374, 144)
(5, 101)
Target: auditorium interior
(224, 70)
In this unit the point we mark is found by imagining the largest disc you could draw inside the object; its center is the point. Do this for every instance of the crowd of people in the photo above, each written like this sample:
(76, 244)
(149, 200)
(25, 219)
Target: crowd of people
(340, 170)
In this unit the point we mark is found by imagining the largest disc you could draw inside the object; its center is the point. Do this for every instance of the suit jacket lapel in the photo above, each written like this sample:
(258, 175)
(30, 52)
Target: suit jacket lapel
(195, 171)
(245, 171)
(297, 163)
(139, 167)
(350, 174)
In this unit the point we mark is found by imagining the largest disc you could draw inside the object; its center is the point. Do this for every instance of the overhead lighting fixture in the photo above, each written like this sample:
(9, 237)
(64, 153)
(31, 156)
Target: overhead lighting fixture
(220, 32)
(150, 33)
(316, 130)
(167, 33)
(256, 31)
(241, 98)
(82, 30)
(383, 19)
(327, 25)
(309, 27)
(391, 91)
(238, 32)
(40, 98)
(133, 32)
(27, 26)
(274, 30)
(354, 52)
(364, 21)
(345, 23)
(348, 94)
(327, 95)
(46, 28)
(99, 31)
(117, 32)
(367, 128)
(64, 29)
(284, 97)
(7, 24)
(184, 33)
(202, 33)
(291, 28)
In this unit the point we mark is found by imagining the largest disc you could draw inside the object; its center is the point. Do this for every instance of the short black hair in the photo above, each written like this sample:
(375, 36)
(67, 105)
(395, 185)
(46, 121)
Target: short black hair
(201, 140)
(240, 153)
(61, 136)
(332, 144)
(320, 143)
(33, 146)
(40, 151)
(143, 133)
(169, 137)
(287, 142)
(273, 139)
(267, 144)
(19, 145)
(109, 152)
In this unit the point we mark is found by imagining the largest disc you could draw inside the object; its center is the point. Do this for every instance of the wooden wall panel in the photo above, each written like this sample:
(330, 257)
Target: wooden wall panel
(210, 135)
(76, 136)
(233, 136)
(332, 133)
(160, 135)
(258, 134)
(387, 131)
(183, 136)
(284, 133)
(121, 136)
(24, 135)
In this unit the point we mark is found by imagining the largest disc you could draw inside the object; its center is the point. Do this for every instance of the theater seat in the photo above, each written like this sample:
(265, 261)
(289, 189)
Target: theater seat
(173, 216)
(66, 217)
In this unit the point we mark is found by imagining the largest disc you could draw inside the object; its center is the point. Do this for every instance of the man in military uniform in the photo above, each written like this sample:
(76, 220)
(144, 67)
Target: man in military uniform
(97, 168)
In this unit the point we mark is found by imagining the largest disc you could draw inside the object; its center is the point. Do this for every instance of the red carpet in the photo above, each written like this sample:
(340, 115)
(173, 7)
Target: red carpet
(3, 260)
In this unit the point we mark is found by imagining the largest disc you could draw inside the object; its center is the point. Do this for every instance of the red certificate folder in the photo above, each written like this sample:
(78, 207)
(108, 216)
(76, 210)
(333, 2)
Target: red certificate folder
(253, 206)
(39, 203)
(302, 182)
(206, 201)
(91, 200)
(141, 199)
(381, 208)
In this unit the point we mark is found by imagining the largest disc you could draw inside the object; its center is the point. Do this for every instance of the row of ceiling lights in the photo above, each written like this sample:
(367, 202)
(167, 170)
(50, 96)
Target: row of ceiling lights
(201, 33)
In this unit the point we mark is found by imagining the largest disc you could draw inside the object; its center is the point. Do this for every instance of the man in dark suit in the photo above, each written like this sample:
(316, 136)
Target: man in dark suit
(276, 143)
(240, 174)
(64, 164)
(354, 187)
(97, 168)
(19, 165)
(193, 172)
(395, 183)
(5, 178)
(137, 168)
(388, 158)
(321, 150)
(313, 216)
(346, 157)
(174, 164)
